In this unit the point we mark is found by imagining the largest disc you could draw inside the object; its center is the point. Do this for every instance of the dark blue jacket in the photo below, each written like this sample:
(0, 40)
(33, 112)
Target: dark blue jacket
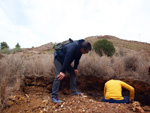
(69, 53)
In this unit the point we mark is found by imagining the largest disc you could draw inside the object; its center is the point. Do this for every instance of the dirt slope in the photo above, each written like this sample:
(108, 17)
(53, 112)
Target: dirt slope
(38, 100)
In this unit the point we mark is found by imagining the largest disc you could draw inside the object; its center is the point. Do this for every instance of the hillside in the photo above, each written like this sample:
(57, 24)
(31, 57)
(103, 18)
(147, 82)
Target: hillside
(117, 42)
(27, 77)
(133, 45)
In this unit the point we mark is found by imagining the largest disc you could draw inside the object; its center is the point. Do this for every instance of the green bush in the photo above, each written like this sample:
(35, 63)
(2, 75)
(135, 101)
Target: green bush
(17, 49)
(5, 51)
(104, 46)
(17, 45)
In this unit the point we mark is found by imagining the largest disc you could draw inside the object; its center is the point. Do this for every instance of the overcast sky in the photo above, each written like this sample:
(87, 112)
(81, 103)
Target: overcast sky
(37, 22)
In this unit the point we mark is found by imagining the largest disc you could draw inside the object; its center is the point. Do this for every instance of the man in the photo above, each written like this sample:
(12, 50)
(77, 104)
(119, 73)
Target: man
(62, 60)
(113, 92)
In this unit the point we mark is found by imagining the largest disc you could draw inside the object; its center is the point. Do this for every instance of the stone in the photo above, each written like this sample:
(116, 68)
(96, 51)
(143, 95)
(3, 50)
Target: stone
(10, 103)
(139, 109)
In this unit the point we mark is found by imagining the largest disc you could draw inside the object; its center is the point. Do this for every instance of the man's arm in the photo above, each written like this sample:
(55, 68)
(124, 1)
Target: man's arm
(128, 87)
(76, 62)
(70, 52)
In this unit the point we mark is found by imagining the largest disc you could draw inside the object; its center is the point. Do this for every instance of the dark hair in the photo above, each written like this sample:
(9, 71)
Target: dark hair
(86, 45)
(114, 77)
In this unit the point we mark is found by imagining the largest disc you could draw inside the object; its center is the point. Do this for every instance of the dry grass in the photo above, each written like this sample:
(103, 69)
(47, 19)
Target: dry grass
(133, 65)
(11, 76)
(118, 65)
(41, 64)
(2, 92)
(93, 65)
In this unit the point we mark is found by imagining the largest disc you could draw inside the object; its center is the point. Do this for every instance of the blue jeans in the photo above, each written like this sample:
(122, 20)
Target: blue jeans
(125, 100)
(56, 82)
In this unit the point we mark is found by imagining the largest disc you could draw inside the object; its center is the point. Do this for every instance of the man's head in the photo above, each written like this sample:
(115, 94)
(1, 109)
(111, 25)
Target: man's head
(85, 47)
(114, 77)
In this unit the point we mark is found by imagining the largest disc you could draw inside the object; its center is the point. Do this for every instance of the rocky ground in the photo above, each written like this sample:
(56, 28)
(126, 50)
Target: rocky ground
(38, 100)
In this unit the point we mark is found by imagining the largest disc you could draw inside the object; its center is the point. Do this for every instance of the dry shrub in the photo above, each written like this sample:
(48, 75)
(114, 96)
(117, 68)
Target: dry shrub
(2, 87)
(94, 65)
(118, 66)
(11, 76)
(136, 66)
(2, 92)
(14, 71)
(120, 52)
(40, 65)
(143, 67)
(130, 62)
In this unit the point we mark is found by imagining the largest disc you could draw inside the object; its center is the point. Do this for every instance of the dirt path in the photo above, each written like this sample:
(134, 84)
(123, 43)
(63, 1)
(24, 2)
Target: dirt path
(38, 100)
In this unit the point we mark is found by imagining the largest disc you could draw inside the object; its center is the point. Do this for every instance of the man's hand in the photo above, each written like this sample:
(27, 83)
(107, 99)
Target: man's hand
(76, 71)
(61, 76)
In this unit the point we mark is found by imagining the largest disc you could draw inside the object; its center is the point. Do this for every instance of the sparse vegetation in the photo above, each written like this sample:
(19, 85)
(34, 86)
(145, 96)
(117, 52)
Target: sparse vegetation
(5, 48)
(9, 51)
(5, 51)
(17, 49)
(36, 68)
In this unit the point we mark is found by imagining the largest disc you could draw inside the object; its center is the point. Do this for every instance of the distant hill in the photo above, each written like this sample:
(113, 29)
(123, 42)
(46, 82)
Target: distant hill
(133, 45)
(125, 45)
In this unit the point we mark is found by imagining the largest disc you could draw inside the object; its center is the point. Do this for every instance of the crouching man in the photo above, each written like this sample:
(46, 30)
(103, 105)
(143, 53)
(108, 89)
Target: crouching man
(113, 92)
(63, 58)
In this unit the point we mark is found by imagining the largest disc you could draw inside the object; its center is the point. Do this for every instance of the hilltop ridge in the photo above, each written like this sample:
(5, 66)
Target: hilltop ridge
(117, 42)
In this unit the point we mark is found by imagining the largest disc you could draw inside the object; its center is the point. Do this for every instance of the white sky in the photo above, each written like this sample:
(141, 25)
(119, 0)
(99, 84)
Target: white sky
(37, 22)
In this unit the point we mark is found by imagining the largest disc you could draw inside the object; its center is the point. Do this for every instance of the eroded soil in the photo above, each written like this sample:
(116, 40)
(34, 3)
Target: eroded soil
(38, 100)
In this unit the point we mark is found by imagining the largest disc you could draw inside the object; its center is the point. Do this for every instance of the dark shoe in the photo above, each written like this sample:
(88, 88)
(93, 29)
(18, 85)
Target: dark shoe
(56, 100)
(76, 93)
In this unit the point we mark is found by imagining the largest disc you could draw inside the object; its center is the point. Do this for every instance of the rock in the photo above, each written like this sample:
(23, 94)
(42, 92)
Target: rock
(27, 96)
(49, 87)
(120, 107)
(135, 104)
(146, 108)
(17, 98)
(21, 98)
(136, 107)
(139, 109)
(56, 106)
(45, 102)
(12, 98)
(10, 103)
(41, 111)
(80, 110)
(91, 100)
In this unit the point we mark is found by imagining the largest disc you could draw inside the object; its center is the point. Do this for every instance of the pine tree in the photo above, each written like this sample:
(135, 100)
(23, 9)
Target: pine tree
(17, 45)
(4, 45)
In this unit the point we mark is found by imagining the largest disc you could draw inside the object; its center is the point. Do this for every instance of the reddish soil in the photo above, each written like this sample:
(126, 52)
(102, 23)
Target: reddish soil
(38, 100)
